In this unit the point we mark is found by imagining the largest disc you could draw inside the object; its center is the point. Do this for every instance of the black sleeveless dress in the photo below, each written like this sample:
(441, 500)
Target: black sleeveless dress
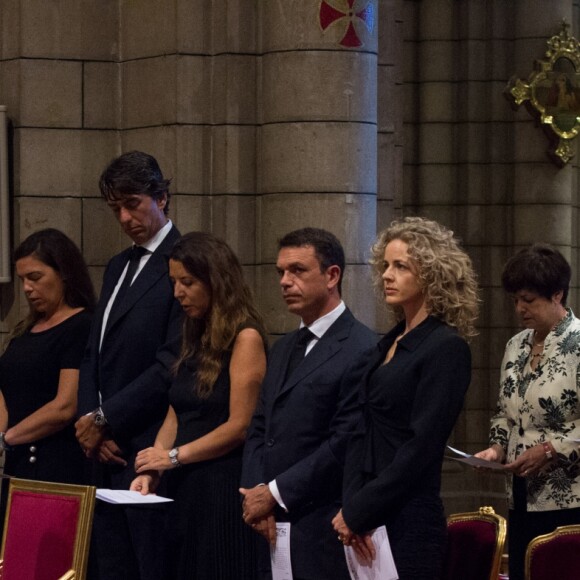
(207, 538)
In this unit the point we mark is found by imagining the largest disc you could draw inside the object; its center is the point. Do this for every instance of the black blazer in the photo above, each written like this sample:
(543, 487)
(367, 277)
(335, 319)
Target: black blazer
(299, 435)
(397, 453)
(133, 369)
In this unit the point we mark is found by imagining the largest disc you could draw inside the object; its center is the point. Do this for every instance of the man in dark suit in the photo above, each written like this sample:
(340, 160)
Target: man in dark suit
(296, 445)
(126, 372)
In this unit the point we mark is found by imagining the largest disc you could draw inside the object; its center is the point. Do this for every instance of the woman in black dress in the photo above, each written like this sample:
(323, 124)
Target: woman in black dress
(212, 399)
(39, 370)
(412, 394)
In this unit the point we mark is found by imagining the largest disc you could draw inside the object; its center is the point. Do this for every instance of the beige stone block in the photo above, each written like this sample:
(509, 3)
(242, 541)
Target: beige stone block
(530, 17)
(526, 50)
(98, 149)
(390, 169)
(436, 143)
(352, 218)
(436, 103)
(10, 18)
(473, 224)
(101, 233)
(391, 99)
(68, 29)
(157, 141)
(32, 214)
(10, 88)
(499, 312)
(234, 220)
(411, 143)
(194, 97)
(217, 26)
(234, 159)
(101, 95)
(192, 213)
(484, 142)
(387, 211)
(499, 59)
(96, 273)
(332, 157)
(435, 183)
(358, 294)
(194, 155)
(295, 25)
(147, 29)
(233, 89)
(477, 396)
(10, 303)
(319, 86)
(438, 61)
(391, 32)
(47, 162)
(544, 183)
(478, 422)
(437, 20)
(543, 223)
(48, 93)
(149, 92)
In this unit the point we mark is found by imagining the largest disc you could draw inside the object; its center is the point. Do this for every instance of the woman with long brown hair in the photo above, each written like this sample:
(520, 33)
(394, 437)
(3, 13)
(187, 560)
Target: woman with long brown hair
(212, 399)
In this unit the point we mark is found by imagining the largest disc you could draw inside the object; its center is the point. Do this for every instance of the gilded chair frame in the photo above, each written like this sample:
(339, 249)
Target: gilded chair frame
(86, 495)
(486, 514)
(545, 539)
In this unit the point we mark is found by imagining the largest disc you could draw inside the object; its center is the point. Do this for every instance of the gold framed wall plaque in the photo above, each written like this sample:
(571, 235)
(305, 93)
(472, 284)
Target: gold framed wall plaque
(552, 93)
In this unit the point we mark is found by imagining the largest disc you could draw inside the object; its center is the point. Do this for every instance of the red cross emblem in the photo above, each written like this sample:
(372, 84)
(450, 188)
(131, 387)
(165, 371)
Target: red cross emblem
(329, 14)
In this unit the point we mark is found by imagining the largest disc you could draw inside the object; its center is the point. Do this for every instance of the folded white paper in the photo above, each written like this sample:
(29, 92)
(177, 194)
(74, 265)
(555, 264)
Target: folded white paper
(474, 461)
(124, 496)
(381, 568)
(280, 555)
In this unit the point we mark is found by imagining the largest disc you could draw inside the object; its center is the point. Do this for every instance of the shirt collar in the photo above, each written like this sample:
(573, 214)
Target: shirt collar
(320, 326)
(152, 244)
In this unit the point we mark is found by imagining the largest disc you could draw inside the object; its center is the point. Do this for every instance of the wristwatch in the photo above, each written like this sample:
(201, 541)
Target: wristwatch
(99, 417)
(173, 457)
(3, 445)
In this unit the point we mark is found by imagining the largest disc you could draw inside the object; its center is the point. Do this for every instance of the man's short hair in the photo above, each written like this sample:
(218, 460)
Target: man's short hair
(327, 248)
(134, 173)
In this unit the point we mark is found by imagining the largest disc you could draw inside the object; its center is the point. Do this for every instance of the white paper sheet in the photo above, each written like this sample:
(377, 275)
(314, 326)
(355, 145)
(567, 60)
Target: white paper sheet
(124, 496)
(280, 555)
(382, 567)
(474, 461)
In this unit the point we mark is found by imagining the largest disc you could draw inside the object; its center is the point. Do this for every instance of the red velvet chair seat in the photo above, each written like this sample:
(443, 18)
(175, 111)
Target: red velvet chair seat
(555, 555)
(474, 546)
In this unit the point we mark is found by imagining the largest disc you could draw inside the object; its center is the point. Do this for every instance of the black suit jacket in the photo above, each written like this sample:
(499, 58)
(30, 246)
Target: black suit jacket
(299, 435)
(394, 460)
(132, 371)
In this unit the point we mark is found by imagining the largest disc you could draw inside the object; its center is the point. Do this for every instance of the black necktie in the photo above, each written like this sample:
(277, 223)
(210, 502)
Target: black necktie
(134, 258)
(299, 350)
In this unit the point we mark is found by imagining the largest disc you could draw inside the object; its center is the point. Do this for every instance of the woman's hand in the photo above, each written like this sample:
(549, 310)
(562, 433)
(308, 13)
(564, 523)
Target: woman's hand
(531, 461)
(363, 546)
(146, 483)
(153, 458)
(494, 453)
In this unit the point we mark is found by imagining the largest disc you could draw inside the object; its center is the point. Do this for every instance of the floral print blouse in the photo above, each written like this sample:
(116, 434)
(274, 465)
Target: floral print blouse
(542, 405)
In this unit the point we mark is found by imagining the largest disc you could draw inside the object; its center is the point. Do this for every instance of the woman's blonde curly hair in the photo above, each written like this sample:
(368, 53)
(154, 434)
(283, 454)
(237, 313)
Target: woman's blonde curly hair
(444, 270)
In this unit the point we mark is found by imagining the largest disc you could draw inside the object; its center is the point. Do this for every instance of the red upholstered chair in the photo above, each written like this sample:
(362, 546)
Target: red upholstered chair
(554, 555)
(475, 545)
(46, 531)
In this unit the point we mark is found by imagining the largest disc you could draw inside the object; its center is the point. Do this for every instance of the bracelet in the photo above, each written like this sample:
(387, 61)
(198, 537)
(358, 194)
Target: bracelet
(548, 450)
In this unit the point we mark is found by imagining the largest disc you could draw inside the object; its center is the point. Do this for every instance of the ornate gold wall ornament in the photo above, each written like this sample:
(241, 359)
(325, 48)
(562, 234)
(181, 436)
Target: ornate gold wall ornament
(552, 93)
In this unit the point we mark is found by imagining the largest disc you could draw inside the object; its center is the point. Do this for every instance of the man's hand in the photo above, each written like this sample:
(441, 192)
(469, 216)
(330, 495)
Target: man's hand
(266, 527)
(258, 503)
(89, 435)
(110, 453)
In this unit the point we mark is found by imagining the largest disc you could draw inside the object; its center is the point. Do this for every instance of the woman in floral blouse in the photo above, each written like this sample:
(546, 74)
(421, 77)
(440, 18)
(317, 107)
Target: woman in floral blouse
(537, 425)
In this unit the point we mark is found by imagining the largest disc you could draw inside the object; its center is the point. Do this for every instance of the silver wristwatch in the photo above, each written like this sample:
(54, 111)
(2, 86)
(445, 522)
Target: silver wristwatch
(173, 457)
(99, 417)
(3, 445)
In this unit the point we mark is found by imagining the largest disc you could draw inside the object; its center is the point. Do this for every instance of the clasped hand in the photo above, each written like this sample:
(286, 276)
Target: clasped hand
(258, 511)
(362, 545)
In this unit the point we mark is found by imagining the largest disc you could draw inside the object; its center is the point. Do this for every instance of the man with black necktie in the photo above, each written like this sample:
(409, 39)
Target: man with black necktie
(124, 378)
(296, 444)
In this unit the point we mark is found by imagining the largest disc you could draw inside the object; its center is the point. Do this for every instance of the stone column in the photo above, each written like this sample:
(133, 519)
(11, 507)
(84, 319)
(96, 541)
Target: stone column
(317, 160)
